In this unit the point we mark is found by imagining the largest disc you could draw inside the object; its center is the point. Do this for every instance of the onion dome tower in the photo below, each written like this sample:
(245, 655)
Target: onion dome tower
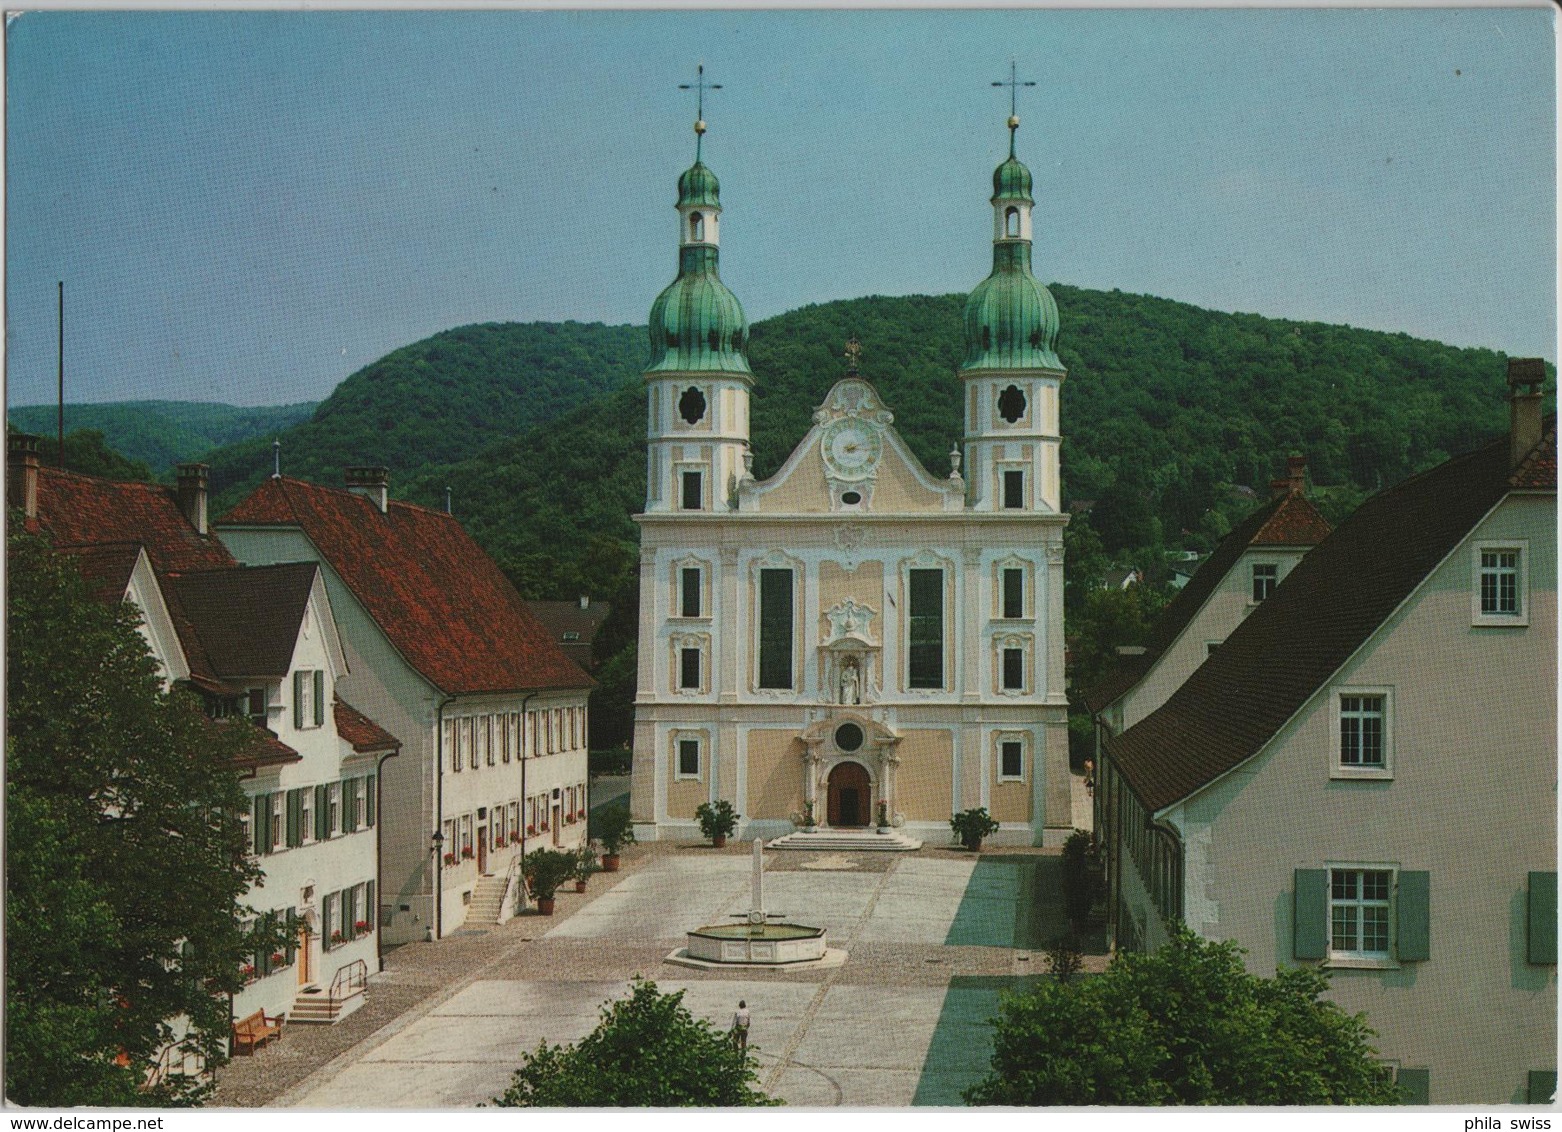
(1011, 370)
(698, 380)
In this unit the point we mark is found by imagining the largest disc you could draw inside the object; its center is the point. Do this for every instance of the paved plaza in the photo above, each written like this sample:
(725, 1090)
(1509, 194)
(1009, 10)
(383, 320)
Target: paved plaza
(932, 938)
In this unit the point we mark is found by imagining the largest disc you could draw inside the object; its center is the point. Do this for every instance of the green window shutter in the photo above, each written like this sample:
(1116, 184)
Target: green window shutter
(1310, 914)
(260, 824)
(298, 699)
(291, 947)
(325, 922)
(371, 910)
(349, 821)
(1415, 1085)
(319, 697)
(268, 921)
(1414, 912)
(1542, 928)
(322, 830)
(1542, 1082)
(369, 799)
(295, 818)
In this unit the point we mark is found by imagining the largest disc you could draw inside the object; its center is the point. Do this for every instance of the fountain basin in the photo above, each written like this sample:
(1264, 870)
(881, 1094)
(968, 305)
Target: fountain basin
(756, 943)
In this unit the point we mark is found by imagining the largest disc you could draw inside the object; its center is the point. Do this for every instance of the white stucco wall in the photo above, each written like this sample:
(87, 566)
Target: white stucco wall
(1472, 800)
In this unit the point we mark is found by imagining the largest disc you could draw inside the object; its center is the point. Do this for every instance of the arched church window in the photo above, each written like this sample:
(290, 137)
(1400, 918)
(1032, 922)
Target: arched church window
(1011, 404)
(691, 406)
(696, 226)
(1011, 222)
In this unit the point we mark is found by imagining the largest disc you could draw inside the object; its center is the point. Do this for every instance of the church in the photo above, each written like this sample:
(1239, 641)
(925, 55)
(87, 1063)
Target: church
(854, 641)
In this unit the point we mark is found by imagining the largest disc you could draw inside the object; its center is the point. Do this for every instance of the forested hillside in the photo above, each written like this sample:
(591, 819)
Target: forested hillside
(161, 434)
(441, 400)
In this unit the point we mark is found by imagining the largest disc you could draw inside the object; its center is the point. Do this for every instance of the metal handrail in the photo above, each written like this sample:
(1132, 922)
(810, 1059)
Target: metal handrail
(164, 1067)
(357, 973)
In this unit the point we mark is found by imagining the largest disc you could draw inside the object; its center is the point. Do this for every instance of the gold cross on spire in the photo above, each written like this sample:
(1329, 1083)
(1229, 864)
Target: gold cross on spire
(699, 86)
(1013, 84)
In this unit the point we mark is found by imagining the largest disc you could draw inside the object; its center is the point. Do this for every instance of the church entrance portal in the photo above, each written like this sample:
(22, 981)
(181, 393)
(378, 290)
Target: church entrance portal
(850, 796)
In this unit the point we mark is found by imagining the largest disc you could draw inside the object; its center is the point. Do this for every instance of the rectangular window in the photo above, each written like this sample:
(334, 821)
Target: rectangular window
(469, 740)
(257, 706)
(1361, 732)
(775, 628)
(333, 809)
(926, 636)
(330, 921)
(689, 668)
(349, 805)
(303, 699)
(450, 849)
(277, 817)
(693, 496)
(688, 758)
(1013, 592)
(1499, 582)
(1013, 670)
(689, 591)
(306, 814)
(487, 725)
(1359, 903)
(319, 697)
(1265, 576)
(1011, 762)
(1013, 489)
(452, 751)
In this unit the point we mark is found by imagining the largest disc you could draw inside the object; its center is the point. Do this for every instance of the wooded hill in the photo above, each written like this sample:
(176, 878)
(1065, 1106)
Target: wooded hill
(160, 434)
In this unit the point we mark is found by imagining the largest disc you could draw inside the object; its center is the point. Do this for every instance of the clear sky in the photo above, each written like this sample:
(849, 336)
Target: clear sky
(247, 207)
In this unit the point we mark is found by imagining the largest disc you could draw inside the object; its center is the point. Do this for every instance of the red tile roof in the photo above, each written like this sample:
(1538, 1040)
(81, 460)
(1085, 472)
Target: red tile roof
(437, 597)
(265, 750)
(80, 510)
(1328, 606)
(106, 568)
(362, 732)
(1289, 520)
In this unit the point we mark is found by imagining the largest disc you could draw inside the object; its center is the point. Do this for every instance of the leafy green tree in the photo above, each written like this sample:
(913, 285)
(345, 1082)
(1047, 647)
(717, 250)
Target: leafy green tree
(125, 856)
(1104, 620)
(1185, 1025)
(648, 1051)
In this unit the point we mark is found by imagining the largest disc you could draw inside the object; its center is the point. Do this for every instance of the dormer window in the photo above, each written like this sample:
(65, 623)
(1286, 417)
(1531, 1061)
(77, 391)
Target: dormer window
(1011, 222)
(697, 226)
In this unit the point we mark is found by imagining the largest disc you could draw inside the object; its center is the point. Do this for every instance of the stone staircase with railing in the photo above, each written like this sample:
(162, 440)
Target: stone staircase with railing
(488, 903)
(848, 841)
(325, 1006)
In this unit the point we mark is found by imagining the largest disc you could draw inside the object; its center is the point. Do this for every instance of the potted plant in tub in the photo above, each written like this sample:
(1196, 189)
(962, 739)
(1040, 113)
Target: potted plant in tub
(883, 820)
(717, 821)
(545, 870)
(612, 828)
(971, 826)
(585, 865)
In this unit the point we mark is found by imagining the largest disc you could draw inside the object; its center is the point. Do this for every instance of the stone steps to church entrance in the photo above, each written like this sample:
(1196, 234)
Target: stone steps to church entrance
(848, 841)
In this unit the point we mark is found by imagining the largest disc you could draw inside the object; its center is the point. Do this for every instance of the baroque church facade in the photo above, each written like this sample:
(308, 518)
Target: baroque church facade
(854, 637)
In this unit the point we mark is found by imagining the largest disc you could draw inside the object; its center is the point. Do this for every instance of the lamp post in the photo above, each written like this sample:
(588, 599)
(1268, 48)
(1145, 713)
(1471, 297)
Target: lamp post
(436, 843)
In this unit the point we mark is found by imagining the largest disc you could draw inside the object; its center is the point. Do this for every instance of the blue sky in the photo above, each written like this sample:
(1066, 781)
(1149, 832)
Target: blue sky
(247, 207)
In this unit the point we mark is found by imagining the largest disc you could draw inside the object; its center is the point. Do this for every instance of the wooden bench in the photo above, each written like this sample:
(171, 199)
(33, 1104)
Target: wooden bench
(254, 1031)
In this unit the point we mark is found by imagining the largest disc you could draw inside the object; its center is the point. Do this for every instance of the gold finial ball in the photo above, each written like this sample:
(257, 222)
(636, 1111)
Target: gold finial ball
(1014, 121)
(699, 126)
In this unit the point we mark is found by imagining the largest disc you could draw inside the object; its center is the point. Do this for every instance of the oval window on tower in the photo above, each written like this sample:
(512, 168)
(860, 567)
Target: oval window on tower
(696, 225)
(691, 406)
(1011, 404)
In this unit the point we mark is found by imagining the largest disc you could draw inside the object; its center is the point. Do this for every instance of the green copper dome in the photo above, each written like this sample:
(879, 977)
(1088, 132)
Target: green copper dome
(698, 186)
(1011, 320)
(697, 323)
(1011, 181)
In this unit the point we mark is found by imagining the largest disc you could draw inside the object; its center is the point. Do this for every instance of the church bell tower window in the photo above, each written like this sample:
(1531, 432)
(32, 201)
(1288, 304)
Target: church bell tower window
(697, 226)
(693, 492)
(1011, 404)
(1014, 490)
(691, 406)
(1011, 222)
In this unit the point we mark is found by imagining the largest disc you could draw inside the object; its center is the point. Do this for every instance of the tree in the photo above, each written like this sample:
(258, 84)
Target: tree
(1184, 1025)
(125, 853)
(648, 1051)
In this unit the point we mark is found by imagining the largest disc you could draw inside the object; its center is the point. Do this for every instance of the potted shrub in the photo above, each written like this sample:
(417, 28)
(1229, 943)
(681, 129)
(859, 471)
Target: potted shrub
(883, 819)
(545, 870)
(612, 828)
(810, 823)
(717, 821)
(971, 826)
(585, 865)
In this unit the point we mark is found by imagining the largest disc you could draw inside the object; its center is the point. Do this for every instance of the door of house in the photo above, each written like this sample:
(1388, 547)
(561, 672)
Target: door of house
(850, 795)
(482, 850)
(558, 822)
(306, 965)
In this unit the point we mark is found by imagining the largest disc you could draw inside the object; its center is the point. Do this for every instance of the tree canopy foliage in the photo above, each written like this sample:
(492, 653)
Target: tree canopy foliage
(1184, 1025)
(647, 1052)
(125, 861)
(160, 434)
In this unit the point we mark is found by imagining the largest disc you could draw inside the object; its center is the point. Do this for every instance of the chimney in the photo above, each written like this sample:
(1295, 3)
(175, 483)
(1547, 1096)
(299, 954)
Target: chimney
(585, 601)
(1296, 473)
(1525, 377)
(371, 482)
(21, 485)
(191, 491)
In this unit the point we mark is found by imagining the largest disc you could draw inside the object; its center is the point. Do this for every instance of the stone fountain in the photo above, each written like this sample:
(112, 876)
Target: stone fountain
(760, 939)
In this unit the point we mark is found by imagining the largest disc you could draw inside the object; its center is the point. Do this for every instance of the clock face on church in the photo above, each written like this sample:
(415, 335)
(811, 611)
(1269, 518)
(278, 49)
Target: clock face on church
(851, 448)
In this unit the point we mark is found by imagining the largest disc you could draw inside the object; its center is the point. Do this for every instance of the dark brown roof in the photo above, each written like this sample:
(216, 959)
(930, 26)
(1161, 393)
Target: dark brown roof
(362, 732)
(561, 618)
(1289, 520)
(437, 597)
(1293, 643)
(246, 617)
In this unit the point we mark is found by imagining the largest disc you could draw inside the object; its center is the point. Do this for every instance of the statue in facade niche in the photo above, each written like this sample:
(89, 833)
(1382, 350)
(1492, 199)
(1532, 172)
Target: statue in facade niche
(851, 683)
